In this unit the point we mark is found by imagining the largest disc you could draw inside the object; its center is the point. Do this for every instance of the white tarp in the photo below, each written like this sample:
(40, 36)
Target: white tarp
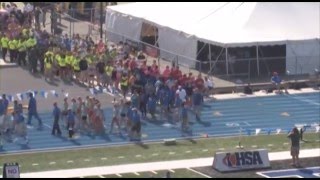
(227, 24)
(303, 57)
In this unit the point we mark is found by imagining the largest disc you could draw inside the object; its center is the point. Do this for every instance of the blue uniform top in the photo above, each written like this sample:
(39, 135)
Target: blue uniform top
(184, 112)
(276, 79)
(5, 103)
(1, 109)
(56, 112)
(135, 117)
(32, 107)
(152, 104)
(197, 99)
(71, 117)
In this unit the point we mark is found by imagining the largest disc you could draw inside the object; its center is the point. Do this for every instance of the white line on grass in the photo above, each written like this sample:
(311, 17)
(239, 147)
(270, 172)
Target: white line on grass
(155, 154)
(199, 173)
(188, 151)
(154, 172)
(120, 157)
(270, 145)
(171, 170)
(119, 175)
(70, 161)
(104, 158)
(35, 164)
(52, 163)
(285, 143)
(172, 153)
(136, 173)
(101, 176)
(87, 160)
(221, 149)
(138, 155)
(205, 150)
(254, 146)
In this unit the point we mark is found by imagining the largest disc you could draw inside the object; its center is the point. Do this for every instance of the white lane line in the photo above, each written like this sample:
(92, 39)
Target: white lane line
(104, 158)
(303, 100)
(120, 157)
(199, 173)
(154, 172)
(101, 176)
(47, 125)
(205, 150)
(245, 122)
(171, 170)
(51, 163)
(35, 164)
(138, 155)
(172, 153)
(136, 173)
(119, 175)
(70, 161)
(188, 151)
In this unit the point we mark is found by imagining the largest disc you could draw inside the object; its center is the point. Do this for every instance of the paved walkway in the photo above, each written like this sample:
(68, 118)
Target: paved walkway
(153, 166)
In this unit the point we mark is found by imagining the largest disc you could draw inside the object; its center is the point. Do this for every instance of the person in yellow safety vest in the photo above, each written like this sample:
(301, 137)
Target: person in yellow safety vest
(25, 33)
(108, 69)
(22, 52)
(13, 47)
(69, 59)
(124, 83)
(4, 44)
(76, 66)
(48, 63)
(32, 42)
(62, 65)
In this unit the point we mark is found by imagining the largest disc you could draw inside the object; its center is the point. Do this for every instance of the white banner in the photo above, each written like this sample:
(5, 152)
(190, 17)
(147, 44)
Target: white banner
(241, 160)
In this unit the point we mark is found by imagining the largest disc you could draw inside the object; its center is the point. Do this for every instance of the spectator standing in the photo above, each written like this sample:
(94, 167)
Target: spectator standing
(295, 146)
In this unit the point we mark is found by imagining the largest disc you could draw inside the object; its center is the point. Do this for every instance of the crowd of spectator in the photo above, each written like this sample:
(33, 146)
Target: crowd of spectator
(121, 69)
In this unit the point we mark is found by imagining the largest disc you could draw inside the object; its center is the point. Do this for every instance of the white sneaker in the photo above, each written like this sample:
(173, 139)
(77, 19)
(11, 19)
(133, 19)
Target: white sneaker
(29, 126)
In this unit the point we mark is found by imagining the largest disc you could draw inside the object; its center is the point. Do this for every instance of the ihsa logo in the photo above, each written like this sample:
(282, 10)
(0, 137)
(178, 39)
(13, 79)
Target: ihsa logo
(239, 159)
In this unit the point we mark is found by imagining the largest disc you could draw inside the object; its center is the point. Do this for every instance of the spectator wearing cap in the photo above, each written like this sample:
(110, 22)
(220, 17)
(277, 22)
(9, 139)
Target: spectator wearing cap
(56, 117)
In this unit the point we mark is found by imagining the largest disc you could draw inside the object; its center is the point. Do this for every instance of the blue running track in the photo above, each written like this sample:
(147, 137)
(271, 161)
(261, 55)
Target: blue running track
(218, 118)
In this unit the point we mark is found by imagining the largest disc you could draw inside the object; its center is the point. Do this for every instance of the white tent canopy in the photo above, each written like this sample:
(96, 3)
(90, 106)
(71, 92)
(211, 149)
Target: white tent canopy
(228, 24)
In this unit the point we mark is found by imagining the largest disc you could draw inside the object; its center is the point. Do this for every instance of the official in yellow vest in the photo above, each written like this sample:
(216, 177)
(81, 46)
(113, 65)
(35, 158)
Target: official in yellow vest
(13, 47)
(124, 84)
(22, 52)
(48, 63)
(62, 65)
(108, 69)
(76, 66)
(4, 45)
